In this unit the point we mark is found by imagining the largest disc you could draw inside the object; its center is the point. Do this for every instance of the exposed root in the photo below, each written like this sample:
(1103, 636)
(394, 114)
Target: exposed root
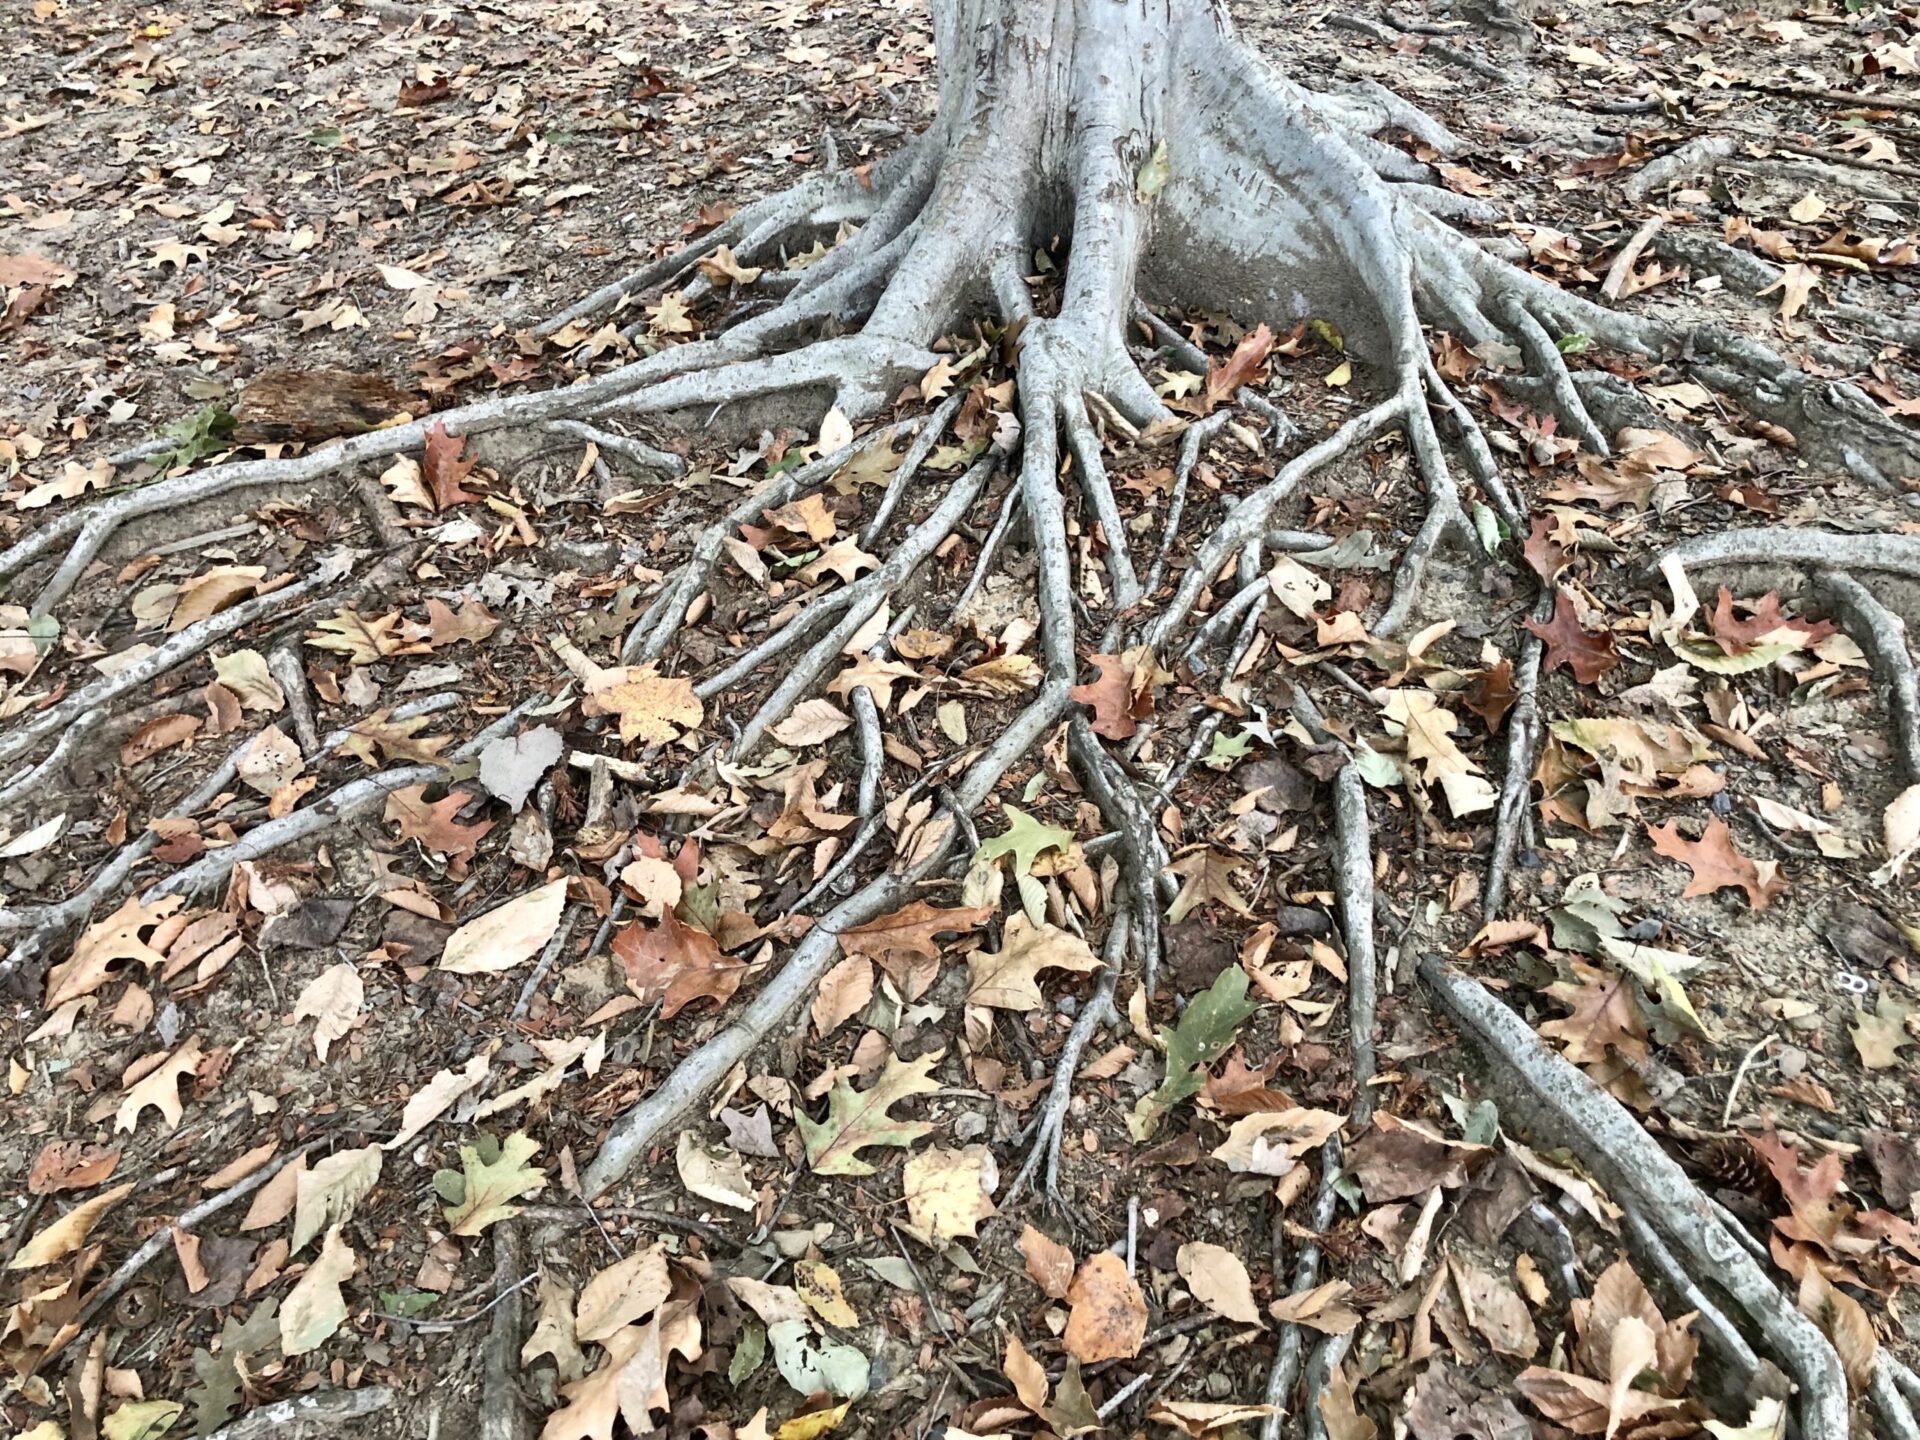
(1049, 1125)
(1539, 1087)
(637, 452)
(1524, 735)
(1883, 635)
(1826, 549)
(1306, 1274)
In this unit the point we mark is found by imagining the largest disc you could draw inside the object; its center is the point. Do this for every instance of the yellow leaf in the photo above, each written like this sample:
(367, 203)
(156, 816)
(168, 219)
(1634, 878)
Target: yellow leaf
(820, 1422)
(69, 1232)
(1341, 374)
(818, 1284)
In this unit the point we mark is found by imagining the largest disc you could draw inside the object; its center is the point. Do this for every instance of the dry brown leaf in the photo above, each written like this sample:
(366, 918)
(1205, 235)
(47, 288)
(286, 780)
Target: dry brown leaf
(1108, 1315)
(1049, 1263)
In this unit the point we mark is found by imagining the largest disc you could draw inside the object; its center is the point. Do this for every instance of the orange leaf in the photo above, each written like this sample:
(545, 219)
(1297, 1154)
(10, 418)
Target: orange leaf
(1716, 865)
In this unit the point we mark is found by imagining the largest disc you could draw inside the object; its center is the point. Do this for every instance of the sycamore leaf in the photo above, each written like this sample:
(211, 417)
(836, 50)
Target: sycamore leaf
(1205, 1032)
(715, 1175)
(858, 1119)
(332, 999)
(949, 1191)
(315, 1307)
(1107, 1314)
(676, 964)
(1588, 653)
(489, 1187)
(1009, 979)
(507, 934)
(67, 1234)
(1717, 865)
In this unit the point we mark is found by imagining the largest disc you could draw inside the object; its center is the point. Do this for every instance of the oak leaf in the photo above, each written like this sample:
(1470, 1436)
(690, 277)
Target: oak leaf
(1589, 654)
(472, 622)
(488, 1187)
(435, 823)
(676, 964)
(1429, 729)
(1117, 706)
(904, 945)
(1738, 636)
(1716, 864)
(445, 469)
(1008, 979)
(859, 1119)
(105, 945)
(159, 1087)
(1606, 1016)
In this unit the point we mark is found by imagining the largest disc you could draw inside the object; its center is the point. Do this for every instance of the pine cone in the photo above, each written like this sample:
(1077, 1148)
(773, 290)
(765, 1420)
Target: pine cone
(1733, 1164)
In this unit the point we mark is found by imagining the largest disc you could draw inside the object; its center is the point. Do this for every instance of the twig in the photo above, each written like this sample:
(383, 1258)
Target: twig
(933, 1306)
(1739, 1078)
(326, 1409)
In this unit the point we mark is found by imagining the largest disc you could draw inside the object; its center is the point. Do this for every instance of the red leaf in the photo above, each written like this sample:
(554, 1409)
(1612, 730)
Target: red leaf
(676, 965)
(1589, 654)
(1243, 365)
(445, 469)
(1546, 557)
(1111, 697)
(1737, 636)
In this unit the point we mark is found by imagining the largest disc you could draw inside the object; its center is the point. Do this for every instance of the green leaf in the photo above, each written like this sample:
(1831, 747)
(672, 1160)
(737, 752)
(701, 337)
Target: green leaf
(1203, 1035)
(1382, 772)
(1487, 526)
(810, 1365)
(326, 136)
(195, 437)
(1153, 175)
(1574, 344)
(857, 1119)
(749, 1352)
(1025, 840)
(1708, 656)
(1228, 750)
(405, 1304)
(489, 1185)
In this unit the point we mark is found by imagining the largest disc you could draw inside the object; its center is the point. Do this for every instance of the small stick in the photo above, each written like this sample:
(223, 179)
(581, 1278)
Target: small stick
(933, 1307)
(1739, 1078)
(284, 665)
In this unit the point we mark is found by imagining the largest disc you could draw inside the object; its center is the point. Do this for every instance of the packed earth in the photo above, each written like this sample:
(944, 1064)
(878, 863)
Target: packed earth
(959, 718)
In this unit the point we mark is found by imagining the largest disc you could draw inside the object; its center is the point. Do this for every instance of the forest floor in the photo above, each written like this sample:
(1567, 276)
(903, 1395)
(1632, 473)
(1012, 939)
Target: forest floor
(1703, 912)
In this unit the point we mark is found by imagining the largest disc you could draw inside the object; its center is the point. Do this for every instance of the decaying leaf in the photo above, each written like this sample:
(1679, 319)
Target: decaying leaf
(859, 1119)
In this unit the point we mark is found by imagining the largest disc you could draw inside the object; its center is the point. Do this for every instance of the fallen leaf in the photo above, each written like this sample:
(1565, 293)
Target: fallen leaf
(68, 1233)
(507, 934)
(675, 964)
(858, 1119)
(1716, 864)
(1219, 1280)
(315, 1308)
(487, 1188)
(1589, 654)
(332, 999)
(1008, 979)
(1049, 1263)
(949, 1192)
(1107, 1318)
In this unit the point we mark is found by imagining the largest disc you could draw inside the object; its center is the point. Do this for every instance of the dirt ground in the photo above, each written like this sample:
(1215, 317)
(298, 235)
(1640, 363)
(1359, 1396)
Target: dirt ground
(196, 196)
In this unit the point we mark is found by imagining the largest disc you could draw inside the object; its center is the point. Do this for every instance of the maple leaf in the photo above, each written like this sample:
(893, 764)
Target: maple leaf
(676, 964)
(1737, 637)
(1606, 1016)
(1206, 874)
(435, 824)
(486, 1187)
(1716, 864)
(858, 1119)
(445, 469)
(400, 739)
(1589, 654)
(1009, 979)
(105, 944)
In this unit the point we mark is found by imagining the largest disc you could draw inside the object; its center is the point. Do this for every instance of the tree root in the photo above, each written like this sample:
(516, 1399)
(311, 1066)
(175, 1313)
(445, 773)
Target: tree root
(1565, 1105)
(1883, 635)
(1524, 735)
(1306, 1274)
